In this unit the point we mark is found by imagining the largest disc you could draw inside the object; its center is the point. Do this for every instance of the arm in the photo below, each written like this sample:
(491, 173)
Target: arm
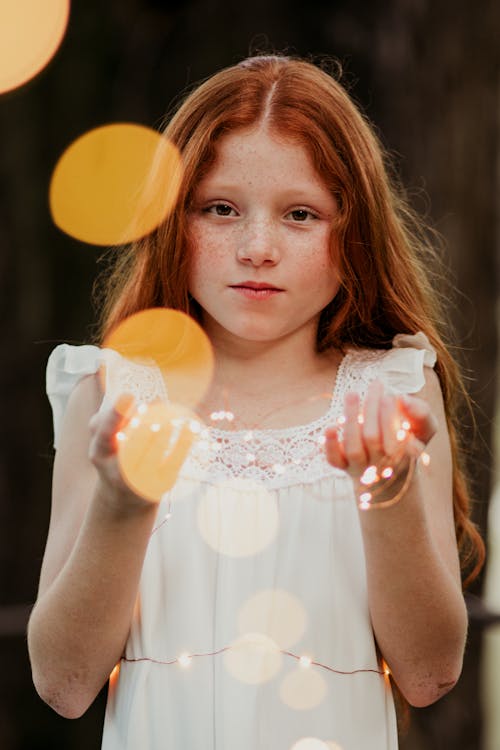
(98, 535)
(413, 573)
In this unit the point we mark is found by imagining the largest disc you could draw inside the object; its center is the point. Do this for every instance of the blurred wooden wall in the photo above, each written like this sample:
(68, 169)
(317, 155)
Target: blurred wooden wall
(425, 72)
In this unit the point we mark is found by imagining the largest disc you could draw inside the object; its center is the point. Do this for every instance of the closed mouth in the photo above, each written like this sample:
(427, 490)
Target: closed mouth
(256, 286)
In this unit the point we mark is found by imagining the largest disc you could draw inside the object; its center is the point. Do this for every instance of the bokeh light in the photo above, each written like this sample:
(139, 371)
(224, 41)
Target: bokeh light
(113, 679)
(30, 34)
(276, 613)
(309, 743)
(253, 658)
(303, 688)
(238, 518)
(173, 342)
(154, 445)
(115, 184)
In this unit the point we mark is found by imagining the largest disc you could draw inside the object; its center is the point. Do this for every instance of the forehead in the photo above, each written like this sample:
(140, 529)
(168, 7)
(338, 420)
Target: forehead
(259, 154)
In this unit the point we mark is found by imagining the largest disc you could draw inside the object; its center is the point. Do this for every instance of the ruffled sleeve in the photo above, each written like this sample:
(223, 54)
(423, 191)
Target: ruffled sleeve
(67, 365)
(402, 367)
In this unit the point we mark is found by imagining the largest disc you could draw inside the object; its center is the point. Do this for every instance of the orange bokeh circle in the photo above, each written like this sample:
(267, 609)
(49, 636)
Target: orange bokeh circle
(115, 184)
(30, 34)
(174, 343)
(153, 446)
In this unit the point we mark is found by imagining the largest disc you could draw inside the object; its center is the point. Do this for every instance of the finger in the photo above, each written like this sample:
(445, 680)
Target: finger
(354, 450)
(333, 449)
(371, 431)
(125, 405)
(105, 426)
(415, 447)
(417, 411)
(389, 424)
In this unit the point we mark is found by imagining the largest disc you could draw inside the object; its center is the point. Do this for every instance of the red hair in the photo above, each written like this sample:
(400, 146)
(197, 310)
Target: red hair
(379, 246)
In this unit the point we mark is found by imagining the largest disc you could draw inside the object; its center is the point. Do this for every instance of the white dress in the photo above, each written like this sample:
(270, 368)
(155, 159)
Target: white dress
(252, 629)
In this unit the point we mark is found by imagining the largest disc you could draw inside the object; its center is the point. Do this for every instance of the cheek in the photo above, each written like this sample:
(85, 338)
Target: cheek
(206, 246)
(321, 275)
(319, 263)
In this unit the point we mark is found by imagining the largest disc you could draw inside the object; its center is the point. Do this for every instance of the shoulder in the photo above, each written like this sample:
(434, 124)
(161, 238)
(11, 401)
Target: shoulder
(405, 368)
(71, 377)
(86, 397)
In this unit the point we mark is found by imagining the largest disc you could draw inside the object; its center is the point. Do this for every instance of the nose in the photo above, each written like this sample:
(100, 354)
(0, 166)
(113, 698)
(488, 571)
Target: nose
(259, 245)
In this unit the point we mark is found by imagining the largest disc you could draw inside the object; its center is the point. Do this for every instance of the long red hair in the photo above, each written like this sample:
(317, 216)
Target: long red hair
(381, 249)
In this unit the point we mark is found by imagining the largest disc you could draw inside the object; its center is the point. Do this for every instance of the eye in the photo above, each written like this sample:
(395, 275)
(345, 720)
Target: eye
(301, 214)
(221, 209)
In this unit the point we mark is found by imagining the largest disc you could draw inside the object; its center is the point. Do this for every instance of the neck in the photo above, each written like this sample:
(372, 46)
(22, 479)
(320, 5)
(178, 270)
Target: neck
(274, 384)
(251, 364)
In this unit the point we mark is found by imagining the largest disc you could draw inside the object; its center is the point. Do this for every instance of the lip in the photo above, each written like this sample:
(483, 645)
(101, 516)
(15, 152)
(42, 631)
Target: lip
(256, 290)
(256, 285)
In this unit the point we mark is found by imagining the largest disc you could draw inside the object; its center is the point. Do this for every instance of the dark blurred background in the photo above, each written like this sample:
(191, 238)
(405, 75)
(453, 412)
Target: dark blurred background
(424, 71)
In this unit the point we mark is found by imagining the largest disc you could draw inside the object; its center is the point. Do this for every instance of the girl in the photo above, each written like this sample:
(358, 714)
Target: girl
(292, 249)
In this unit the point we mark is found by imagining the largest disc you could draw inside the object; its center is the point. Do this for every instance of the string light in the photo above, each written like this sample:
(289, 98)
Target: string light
(185, 659)
(364, 500)
(305, 661)
(400, 474)
(220, 416)
(369, 478)
(369, 475)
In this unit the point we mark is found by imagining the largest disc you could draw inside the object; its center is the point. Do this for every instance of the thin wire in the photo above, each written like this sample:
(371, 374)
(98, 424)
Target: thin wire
(228, 648)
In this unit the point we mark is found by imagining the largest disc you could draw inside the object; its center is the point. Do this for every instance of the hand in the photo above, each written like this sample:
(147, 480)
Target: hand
(103, 448)
(390, 432)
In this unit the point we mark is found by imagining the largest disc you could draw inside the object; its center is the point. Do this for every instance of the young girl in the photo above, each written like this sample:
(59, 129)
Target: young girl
(306, 270)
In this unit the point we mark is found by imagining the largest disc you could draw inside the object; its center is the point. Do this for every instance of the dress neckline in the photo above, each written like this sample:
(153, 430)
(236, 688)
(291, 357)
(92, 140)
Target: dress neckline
(221, 435)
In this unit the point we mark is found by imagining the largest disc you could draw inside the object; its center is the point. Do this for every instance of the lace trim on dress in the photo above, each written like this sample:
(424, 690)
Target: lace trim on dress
(276, 457)
(282, 457)
(145, 384)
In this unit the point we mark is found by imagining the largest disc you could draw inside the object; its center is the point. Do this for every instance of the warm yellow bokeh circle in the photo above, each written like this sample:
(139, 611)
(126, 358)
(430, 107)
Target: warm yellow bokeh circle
(30, 34)
(172, 342)
(115, 184)
(310, 743)
(153, 446)
(303, 688)
(238, 518)
(253, 658)
(276, 613)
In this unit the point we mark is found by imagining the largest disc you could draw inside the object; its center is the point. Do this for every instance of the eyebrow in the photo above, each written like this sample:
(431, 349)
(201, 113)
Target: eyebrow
(298, 193)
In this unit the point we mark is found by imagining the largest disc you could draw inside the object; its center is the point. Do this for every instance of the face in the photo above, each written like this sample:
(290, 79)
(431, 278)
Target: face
(260, 233)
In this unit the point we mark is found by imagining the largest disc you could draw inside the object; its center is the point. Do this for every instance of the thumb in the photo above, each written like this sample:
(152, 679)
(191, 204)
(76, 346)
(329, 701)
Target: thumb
(422, 421)
(105, 425)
